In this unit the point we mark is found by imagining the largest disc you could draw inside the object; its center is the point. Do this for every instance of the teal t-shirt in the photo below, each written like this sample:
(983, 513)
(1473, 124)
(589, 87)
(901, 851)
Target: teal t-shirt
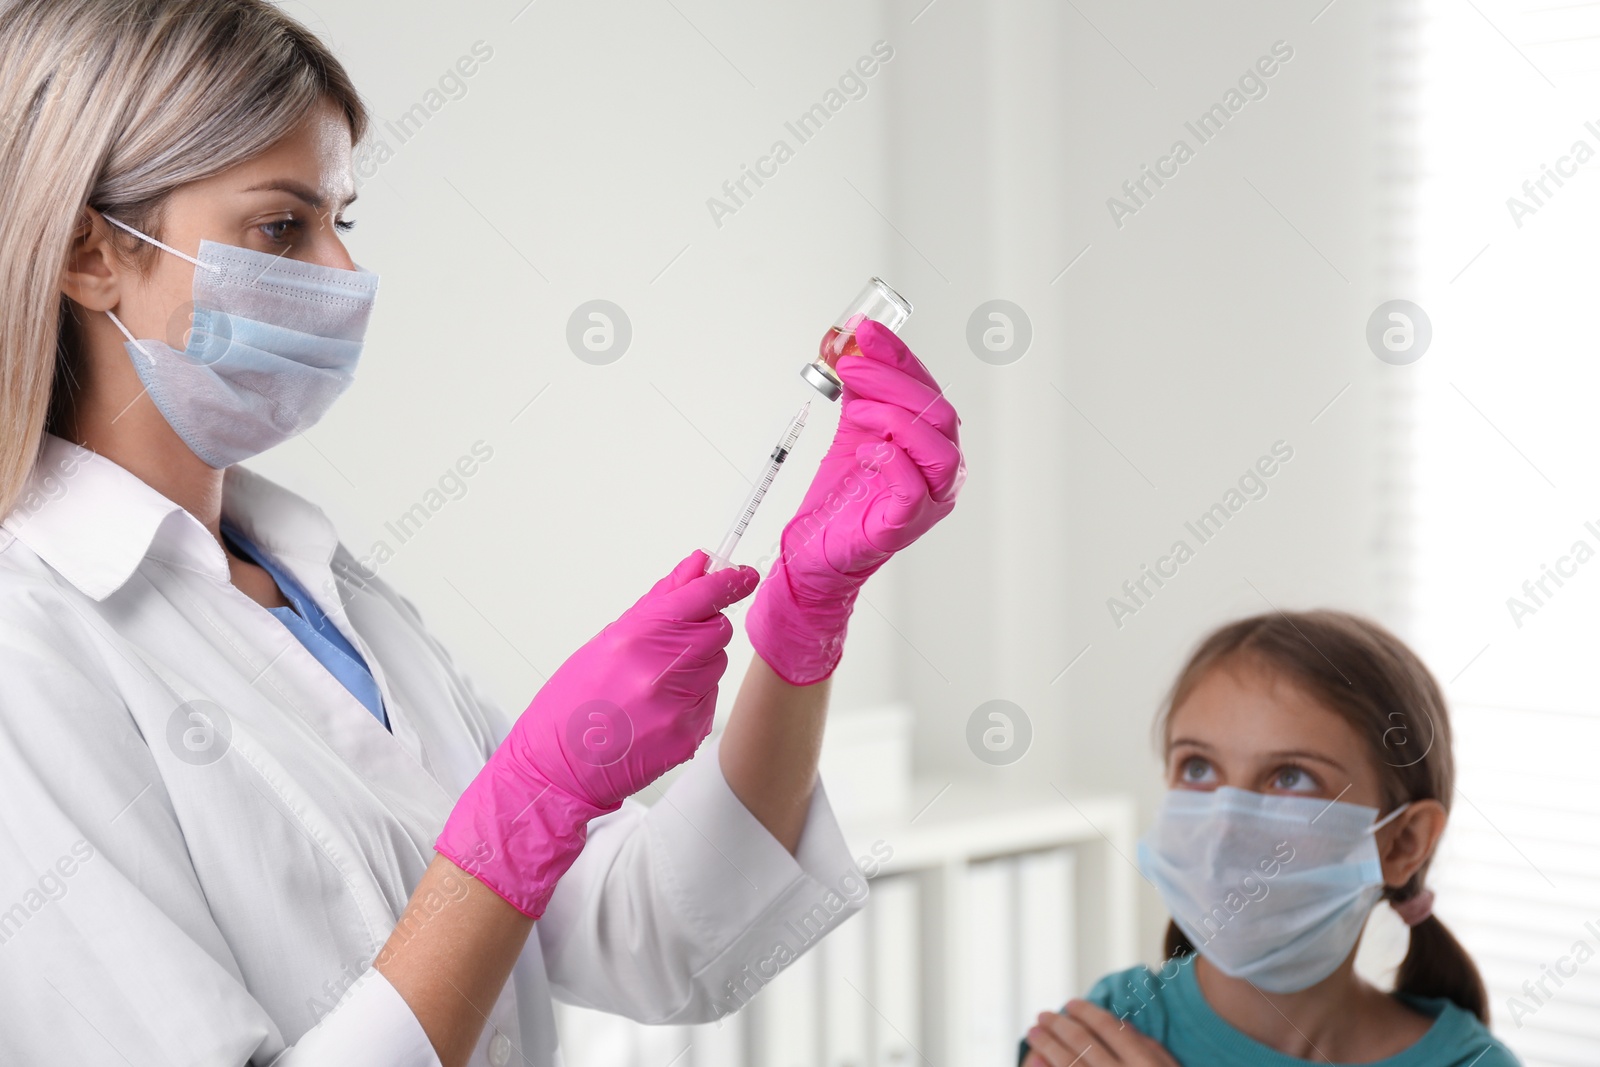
(1171, 1009)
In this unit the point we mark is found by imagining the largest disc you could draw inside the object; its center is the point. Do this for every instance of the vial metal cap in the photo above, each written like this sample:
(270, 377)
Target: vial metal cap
(823, 382)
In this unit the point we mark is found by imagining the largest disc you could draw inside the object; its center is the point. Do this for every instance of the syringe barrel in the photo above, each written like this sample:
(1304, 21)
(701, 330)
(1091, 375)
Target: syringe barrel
(722, 558)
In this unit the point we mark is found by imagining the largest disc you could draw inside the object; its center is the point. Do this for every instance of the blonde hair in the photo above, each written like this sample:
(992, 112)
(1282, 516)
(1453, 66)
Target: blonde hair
(116, 104)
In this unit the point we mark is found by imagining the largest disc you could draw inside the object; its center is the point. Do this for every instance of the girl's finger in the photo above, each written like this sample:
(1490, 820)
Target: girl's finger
(1047, 1049)
(1115, 1034)
(1087, 1050)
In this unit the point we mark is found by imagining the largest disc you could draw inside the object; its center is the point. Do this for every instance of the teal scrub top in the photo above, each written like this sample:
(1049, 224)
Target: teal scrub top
(308, 623)
(1175, 1013)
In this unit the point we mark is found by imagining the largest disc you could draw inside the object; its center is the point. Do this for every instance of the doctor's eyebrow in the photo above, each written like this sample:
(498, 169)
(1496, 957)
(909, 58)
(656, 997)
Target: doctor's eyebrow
(314, 199)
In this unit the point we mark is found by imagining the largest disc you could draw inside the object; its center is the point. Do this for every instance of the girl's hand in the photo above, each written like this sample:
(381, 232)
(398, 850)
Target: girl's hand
(1089, 1036)
(893, 471)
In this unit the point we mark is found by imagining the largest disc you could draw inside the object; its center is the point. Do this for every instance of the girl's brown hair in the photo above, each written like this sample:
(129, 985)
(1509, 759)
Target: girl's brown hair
(1360, 670)
(115, 104)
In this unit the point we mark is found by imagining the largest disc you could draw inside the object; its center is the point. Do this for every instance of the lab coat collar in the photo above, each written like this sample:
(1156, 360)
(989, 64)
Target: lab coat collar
(95, 521)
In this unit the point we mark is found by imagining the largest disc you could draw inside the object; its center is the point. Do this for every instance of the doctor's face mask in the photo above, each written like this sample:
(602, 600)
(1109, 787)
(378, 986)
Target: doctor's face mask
(274, 342)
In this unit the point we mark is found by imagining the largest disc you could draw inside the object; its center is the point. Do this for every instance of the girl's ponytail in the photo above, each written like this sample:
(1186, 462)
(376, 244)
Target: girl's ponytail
(1437, 966)
(1177, 944)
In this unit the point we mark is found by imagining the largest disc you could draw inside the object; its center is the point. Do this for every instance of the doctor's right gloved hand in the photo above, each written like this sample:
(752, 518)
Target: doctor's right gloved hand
(633, 702)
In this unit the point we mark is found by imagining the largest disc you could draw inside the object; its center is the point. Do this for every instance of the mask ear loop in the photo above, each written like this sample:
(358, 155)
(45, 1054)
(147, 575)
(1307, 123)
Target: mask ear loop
(131, 339)
(158, 244)
(1416, 908)
(1387, 819)
(165, 248)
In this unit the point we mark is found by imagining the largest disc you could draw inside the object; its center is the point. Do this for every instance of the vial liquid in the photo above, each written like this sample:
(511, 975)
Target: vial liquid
(877, 302)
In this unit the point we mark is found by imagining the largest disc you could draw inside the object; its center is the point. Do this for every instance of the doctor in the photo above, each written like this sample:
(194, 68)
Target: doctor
(251, 811)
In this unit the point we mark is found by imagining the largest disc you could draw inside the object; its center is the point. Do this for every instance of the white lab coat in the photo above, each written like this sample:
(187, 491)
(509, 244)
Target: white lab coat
(171, 897)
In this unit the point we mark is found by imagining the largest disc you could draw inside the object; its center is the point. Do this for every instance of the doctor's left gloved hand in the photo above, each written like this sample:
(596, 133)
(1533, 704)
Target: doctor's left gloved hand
(632, 703)
(893, 471)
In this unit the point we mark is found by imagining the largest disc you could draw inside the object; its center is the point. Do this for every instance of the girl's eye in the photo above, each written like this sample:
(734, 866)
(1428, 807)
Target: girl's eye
(1195, 771)
(345, 225)
(1295, 780)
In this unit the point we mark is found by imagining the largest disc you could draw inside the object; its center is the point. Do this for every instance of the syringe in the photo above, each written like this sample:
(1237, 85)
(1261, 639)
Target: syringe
(723, 556)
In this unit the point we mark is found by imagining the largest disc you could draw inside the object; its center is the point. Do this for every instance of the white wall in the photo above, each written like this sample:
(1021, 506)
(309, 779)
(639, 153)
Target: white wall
(1222, 317)
(1192, 338)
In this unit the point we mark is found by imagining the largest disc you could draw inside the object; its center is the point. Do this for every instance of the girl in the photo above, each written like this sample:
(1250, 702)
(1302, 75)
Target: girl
(1309, 776)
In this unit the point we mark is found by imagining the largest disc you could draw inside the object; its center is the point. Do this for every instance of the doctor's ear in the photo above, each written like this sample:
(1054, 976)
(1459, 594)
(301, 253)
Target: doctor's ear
(1408, 842)
(95, 270)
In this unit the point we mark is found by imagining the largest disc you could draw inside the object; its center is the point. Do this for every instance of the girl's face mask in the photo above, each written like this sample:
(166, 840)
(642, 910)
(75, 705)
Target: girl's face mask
(1271, 888)
(274, 343)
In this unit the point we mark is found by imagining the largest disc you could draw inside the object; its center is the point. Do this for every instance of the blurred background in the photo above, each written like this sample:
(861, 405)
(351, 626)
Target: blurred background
(584, 290)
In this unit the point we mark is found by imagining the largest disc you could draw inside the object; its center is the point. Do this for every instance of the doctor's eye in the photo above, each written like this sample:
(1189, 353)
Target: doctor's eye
(289, 231)
(280, 230)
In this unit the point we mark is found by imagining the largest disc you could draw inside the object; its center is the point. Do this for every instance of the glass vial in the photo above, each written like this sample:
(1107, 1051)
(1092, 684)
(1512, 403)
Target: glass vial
(877, 302)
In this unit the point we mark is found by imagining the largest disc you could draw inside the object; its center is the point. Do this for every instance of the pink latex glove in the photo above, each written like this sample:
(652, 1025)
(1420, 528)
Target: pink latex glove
(893, 470)
(634, 702)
